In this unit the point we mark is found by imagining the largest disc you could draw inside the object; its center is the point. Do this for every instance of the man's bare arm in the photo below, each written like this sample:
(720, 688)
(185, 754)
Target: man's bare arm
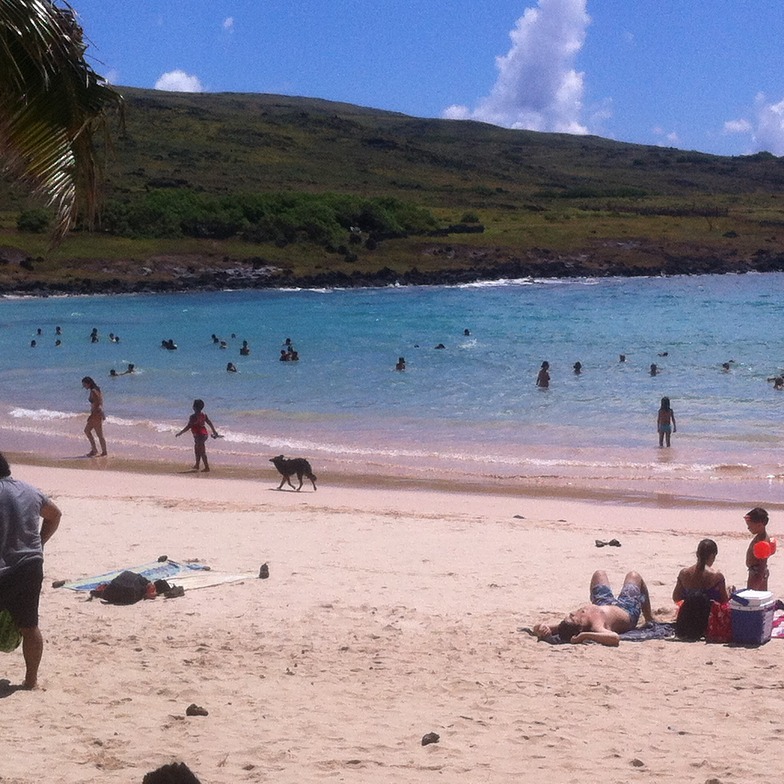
(542, 630)
(606, 637)
(51, 520)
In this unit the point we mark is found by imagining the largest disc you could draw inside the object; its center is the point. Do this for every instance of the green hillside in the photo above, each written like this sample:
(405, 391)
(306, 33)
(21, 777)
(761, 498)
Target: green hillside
(190, 180)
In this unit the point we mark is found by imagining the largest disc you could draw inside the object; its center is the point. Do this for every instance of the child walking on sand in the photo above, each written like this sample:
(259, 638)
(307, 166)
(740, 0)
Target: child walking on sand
(665, 422)
(198, 424)
(757, 523)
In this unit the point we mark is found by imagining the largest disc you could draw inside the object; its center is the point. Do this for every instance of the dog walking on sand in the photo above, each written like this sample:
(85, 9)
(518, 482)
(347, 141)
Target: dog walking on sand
(288, 467)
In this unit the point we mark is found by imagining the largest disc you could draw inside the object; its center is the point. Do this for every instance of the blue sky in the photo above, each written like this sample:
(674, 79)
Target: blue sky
(694, 75)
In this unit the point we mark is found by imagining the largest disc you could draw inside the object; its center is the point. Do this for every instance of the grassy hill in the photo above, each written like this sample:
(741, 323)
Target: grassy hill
(548, 204)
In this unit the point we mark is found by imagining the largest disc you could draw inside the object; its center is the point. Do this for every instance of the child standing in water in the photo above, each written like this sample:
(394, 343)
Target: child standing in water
(198, 424)
(665, 422)
(757, 523)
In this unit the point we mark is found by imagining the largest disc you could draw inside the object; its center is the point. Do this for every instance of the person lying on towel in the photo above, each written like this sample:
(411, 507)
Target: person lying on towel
(607, 616)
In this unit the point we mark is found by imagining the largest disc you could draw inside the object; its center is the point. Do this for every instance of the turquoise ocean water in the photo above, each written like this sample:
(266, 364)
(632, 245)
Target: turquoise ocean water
(468, 413)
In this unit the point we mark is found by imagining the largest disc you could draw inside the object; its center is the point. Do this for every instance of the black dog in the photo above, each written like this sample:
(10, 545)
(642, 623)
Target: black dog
(291, 466)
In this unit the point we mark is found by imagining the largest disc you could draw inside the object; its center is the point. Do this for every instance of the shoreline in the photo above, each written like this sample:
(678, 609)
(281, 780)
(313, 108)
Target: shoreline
(536, 489)
(211, 277)
(460, 420)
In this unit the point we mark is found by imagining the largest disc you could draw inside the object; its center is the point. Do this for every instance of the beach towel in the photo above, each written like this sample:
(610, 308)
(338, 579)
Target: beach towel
(155, 570)
(778, 628)
(651, 631)
(192, 581)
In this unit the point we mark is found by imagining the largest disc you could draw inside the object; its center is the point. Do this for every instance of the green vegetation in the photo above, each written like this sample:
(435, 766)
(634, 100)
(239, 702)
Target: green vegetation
(280, 218)
(229, 189)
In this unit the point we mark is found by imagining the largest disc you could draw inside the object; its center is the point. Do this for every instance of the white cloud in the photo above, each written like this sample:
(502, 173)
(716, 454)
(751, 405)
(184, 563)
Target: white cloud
(178, 81)
(537, 87)
(228, 24)
(769, 130)
(737, 126)
(765, 129)
(671, 137)
(456, 112)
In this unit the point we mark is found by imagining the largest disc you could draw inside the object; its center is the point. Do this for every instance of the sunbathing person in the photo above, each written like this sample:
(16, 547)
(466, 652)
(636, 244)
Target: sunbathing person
(606, 617)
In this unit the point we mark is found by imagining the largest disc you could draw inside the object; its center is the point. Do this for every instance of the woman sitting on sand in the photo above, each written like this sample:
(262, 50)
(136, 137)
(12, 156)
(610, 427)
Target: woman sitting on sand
(701, 578)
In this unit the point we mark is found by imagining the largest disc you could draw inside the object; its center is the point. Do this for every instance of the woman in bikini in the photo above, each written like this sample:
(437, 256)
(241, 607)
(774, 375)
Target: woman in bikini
(95, 419)
(702, 578)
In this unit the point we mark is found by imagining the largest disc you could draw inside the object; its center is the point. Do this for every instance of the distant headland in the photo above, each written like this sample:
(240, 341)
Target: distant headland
(212, 191)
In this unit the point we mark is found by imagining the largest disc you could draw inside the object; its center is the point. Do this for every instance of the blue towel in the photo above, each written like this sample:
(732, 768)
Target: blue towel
(651, 631)
(156, 570)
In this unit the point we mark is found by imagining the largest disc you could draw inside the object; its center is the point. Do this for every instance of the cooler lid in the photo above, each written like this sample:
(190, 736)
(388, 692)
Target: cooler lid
(749, 598)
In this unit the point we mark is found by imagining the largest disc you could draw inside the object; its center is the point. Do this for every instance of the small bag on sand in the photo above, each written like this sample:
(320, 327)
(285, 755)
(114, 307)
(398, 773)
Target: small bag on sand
(9, 633)
(127, 588)
(693, 615)
(719, 623)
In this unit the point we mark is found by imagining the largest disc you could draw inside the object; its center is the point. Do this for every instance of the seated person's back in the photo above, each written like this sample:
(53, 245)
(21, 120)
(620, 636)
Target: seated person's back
(702, 578)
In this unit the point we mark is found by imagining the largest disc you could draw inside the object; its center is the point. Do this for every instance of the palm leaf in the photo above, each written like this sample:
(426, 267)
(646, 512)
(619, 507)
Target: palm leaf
(51, 105)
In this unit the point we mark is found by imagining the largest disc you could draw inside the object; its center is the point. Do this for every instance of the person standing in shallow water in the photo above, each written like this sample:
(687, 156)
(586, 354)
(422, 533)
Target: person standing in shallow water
(198, 424)
(543, 379)
(665, 422)
(96, 417)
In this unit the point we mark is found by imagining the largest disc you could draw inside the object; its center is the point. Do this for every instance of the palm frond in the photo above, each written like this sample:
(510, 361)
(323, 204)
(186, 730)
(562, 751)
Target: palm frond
(51, 105)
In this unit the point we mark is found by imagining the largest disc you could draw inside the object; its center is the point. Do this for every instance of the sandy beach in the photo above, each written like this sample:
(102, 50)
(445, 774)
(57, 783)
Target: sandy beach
(388, 614)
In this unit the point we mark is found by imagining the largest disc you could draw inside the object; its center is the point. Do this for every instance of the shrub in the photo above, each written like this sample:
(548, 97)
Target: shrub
(33, 221)
(282, 218)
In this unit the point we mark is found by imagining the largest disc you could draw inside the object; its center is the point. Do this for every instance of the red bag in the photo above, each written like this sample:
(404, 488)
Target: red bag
(719, 623)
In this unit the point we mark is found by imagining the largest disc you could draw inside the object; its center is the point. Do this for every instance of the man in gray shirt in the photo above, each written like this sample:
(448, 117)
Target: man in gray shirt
(22, 538)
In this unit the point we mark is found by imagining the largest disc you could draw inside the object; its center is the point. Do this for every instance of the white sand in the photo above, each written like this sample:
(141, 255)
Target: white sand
(388, 614)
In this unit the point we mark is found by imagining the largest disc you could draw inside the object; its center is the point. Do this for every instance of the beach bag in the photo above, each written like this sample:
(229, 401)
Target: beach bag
(719, 623)
(9, 633)
(692, 620)
(127, 588)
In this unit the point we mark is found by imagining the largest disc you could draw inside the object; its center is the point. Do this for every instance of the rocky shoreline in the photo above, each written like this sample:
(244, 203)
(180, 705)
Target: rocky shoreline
(19, 276)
